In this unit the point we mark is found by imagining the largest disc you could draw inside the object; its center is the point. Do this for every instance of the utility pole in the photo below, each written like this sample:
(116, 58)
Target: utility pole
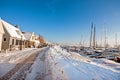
(91, 35)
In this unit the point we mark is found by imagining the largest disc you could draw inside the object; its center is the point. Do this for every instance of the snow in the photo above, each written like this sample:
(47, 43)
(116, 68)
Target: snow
(107, 64)
(55, 63)
(45, 68)
(5, 67)
(13, 31)
(78, 67)
(1, 27)
(36, 68)
(57, 70)
(10, 59)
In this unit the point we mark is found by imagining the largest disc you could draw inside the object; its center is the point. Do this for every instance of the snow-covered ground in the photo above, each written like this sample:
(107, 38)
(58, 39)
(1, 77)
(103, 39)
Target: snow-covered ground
(55, 63)
(77, 67)
(9, 60)
(46, 68)
(38, 68)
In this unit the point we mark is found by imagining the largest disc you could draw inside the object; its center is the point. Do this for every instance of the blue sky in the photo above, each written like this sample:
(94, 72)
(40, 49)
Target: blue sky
(63, 21)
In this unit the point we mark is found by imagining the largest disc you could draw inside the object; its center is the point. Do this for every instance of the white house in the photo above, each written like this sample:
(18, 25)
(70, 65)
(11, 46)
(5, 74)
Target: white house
(12, 38)
(1, 34)
(30, 39)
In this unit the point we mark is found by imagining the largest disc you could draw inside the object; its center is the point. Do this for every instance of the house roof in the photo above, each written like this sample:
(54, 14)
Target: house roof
(12, 30)
(1, 27)
(28, 35)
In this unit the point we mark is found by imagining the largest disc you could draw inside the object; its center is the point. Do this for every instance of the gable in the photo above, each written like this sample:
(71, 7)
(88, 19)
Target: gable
(27, 35)
(1, 28)
(13, 31)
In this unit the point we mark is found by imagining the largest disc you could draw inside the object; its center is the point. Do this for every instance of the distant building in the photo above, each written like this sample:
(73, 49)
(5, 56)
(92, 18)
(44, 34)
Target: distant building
(1, 34)
(30, 39)
(37, 42)
(41, 39)
(12, 38)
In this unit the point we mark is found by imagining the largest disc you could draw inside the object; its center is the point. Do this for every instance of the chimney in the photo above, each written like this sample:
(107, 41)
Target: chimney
(16, 26)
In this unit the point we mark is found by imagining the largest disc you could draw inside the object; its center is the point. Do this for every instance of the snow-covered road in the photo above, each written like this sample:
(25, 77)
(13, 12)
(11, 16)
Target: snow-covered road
(13, 64)
(9, 60)
(40, 70)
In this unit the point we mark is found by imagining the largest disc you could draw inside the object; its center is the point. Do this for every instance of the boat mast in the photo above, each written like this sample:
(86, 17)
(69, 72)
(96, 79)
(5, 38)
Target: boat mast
(101, 42)
(105, 36)
(116, 40)
(91, 35)
(94, 38)
(80, 41)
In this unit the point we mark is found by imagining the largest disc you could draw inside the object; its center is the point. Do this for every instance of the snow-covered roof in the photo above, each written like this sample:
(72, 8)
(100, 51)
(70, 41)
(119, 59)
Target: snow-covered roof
(1, 27)
(27, 35)
(12, 30)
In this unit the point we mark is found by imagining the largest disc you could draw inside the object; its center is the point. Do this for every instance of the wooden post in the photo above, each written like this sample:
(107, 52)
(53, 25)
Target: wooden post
(21, 43)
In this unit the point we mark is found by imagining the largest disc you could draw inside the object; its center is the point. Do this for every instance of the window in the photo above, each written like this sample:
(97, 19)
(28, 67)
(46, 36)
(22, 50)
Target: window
(4, 39)
(17, 42)
(12, 41)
